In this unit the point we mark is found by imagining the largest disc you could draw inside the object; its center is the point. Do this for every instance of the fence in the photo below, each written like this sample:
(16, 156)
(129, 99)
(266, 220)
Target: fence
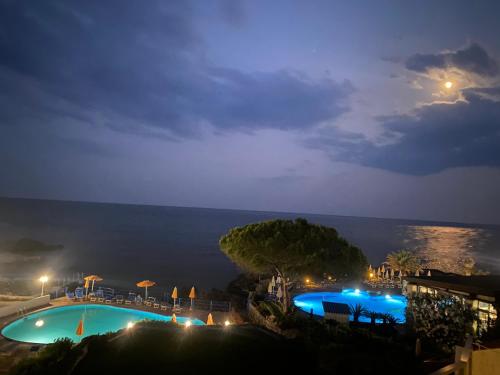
(198, 304)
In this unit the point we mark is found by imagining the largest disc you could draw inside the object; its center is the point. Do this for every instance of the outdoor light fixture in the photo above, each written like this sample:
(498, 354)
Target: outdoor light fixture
(308, 281)
(448, 84)
(356, 291)
(371, 274)
(130, 325)
(188, 324)
(387, 296)
(43, 280)
(39, 323)
(227, 323)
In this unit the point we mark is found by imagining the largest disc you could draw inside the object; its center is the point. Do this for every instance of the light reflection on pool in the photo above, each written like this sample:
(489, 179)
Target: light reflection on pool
(46, 326)
(371, 301)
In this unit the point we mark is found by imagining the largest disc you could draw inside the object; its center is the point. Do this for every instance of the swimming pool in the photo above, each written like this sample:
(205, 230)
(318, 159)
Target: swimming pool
(46, 326)
(381, 303)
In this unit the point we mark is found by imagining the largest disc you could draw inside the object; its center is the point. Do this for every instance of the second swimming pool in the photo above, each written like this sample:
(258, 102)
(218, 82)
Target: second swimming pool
(371, 301)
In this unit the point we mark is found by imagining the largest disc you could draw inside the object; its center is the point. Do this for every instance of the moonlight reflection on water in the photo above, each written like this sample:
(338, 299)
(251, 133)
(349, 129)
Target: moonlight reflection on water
(450, 249)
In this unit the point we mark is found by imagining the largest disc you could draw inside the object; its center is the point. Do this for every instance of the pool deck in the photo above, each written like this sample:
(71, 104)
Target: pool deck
(13, 351)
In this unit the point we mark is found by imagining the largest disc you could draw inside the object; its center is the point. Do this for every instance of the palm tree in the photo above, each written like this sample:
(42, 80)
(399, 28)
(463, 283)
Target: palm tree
(356, 311)
(404, 260)
(373, 316)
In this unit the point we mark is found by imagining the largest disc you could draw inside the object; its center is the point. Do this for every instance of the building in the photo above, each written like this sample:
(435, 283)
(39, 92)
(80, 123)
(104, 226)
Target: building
(482, 292)
(336, 311)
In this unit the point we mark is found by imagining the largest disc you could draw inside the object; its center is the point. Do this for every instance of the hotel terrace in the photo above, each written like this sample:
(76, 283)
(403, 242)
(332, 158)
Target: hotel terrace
(483, 292)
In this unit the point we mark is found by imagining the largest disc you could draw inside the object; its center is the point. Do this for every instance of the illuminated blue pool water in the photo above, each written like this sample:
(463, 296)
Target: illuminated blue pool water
(49, 325)
(381, 303)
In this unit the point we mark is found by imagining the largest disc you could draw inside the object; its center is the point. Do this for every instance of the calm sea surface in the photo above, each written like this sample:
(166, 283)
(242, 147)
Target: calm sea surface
(179, 246)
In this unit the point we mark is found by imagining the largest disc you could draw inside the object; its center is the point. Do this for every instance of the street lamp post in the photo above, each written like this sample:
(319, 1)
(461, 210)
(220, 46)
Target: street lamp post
(43, 280)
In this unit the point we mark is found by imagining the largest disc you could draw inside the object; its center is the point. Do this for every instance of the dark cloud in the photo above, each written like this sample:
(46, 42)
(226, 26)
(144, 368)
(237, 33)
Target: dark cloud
(473, 59)
(140, 66)
(434, 138)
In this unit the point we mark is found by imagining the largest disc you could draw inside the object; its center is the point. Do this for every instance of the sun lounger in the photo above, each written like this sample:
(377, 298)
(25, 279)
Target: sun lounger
(79, 293)
(176, 309)
(138, 300)
(119, 299)
(92, 297)
(108, 299)
(70, 295)
(164, 306)
(156, 305)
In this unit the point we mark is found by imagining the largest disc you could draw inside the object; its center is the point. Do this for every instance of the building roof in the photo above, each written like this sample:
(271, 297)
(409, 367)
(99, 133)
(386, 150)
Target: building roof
(336, 308)
(488, 285)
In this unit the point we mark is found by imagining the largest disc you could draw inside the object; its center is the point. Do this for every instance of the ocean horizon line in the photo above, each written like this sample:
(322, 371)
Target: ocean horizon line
(426, 222)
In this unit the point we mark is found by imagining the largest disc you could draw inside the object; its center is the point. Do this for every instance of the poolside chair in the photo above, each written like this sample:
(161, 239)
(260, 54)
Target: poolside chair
(92, 297)
(79, 293)
(119, 299)
(156, 305)
(138, 300)
(177, 309)
(163, 306)
(70, 295)
(131, 298)
(108, 299)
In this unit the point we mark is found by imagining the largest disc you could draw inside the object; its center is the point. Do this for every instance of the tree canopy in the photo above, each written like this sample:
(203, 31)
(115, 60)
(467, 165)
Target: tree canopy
(293, 248)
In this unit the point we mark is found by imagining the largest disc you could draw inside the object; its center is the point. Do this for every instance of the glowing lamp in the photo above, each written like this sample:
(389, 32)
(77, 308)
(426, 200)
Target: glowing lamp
(39, 323)
(188, 324)
(357, 291)
(448, 84)
(130, 325)
(43, 280)
(387, 296)
(227, 323)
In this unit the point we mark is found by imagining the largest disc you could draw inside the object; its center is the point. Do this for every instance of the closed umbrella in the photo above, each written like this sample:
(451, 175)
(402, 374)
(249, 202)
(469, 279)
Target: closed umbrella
(270, 288)
(417, 273)
(392, 273)
(279, 293)
(273, 282)
(79, 328)
(386, 276)
(174, 294)
(383, 269)
(429, 273)
(192, 296)
(210, 320)
(278, 280)
(145, 284)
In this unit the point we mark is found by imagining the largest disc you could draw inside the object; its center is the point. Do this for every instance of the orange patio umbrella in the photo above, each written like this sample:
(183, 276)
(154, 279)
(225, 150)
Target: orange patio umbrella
(79, 328)
(92, 278)
(210, 320)
(174, 318)
(174, 294)
(146, 284)
(192, 296)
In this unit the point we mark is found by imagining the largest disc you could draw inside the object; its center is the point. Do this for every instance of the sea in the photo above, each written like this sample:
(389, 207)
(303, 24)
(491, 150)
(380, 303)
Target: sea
(178, 246)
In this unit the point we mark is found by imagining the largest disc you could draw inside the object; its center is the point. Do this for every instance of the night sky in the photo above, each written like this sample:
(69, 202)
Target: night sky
(337, 107)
